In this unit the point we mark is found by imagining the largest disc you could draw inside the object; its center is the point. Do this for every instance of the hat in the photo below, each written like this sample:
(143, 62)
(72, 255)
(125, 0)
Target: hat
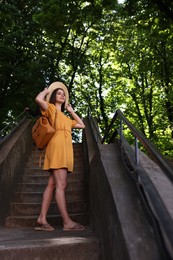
(56, 85)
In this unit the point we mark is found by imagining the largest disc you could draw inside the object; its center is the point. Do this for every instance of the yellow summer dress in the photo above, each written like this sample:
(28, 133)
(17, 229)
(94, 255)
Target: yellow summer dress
(59, 151)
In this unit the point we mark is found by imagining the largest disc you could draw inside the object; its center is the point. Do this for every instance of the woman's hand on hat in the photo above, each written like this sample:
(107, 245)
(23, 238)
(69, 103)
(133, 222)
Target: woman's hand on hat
(46, 90)
(69, 108)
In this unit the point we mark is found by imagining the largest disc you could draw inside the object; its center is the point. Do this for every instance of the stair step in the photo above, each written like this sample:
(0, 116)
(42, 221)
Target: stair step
(44, 178)
(31, 170)
(23, 187)
(55, 220)
(28, 244)
(34, 162)
(34, 208)
(37, 196)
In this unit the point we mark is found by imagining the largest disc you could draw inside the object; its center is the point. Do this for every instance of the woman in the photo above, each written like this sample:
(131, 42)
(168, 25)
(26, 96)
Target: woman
(59, 152)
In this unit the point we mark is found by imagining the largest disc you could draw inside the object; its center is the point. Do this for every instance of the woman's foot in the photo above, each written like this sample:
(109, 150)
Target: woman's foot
(43, 226)
(73, 226)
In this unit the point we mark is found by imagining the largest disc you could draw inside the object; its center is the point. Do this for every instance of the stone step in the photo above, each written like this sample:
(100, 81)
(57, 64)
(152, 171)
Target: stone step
(27, 244)
(35, 171)
(25, 209)
(78, 168)
(35, 162)
(38, 178)
(55, 220)
(28, 187)
(37, 196)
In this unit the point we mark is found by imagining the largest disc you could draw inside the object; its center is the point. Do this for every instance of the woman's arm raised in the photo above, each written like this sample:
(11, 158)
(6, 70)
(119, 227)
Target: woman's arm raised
(79, 121)
(40, 99)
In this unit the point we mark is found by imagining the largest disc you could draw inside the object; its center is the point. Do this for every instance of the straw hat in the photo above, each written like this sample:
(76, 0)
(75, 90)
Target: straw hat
(56, 85)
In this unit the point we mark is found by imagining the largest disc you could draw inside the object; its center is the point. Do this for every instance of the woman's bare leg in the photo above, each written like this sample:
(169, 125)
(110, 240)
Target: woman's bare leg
(60, 177)
(47, 198)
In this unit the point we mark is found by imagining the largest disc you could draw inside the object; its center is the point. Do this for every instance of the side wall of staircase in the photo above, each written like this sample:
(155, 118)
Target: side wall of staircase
(116, 214)
(13, 156)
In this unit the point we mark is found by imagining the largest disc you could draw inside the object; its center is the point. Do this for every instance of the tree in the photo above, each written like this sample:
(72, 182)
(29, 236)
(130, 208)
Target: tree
(109, 55)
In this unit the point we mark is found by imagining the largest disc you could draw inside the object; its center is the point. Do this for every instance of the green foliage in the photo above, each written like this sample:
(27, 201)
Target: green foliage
(109, 55)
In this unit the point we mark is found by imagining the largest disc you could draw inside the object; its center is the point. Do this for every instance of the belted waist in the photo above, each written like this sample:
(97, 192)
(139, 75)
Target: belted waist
(63, 130)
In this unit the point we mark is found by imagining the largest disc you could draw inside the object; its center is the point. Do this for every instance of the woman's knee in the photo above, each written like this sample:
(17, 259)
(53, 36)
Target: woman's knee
(60, 177)
(51, 183)
(51, 186)
(62, 184)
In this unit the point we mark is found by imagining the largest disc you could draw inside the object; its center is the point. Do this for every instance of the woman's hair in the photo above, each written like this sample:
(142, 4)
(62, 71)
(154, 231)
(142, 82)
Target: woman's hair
(53, 99)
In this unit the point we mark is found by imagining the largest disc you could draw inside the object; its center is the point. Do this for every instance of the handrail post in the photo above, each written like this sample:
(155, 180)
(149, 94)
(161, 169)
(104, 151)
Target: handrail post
(121, 129)
(136, 151)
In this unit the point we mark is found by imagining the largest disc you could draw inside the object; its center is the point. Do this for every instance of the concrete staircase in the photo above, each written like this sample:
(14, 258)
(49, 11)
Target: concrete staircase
(26, 205)
(25, 209)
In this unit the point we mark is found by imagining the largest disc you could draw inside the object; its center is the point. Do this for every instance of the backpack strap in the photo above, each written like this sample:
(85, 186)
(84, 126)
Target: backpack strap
(41, 156)
(44, 150)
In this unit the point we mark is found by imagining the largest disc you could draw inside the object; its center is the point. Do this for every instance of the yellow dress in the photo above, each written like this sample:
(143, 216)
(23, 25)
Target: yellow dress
(59, 151)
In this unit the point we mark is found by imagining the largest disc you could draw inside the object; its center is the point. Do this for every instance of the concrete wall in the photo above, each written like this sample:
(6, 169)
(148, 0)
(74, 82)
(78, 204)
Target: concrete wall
(102, 210)
(103, 216)
(13, 155)
(116, 214)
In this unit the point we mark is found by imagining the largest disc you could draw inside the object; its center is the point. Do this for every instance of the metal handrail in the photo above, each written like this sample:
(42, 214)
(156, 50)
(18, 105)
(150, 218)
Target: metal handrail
(151, 149)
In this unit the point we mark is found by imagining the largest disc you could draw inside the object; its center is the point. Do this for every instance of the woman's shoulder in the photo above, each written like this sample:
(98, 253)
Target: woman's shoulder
(51, 106)
(50, 110)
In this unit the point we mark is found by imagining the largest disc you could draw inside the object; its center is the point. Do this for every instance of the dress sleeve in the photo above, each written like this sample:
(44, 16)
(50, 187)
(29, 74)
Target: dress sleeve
(73, 123)
(49, 111)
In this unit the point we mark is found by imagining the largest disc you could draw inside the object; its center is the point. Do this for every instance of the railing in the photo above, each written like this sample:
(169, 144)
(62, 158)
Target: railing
(138, 136)
(9, 129)
(153, 204)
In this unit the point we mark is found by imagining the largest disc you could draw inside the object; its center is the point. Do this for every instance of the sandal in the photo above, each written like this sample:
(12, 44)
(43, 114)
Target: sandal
(44, 227)
(76, 227)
